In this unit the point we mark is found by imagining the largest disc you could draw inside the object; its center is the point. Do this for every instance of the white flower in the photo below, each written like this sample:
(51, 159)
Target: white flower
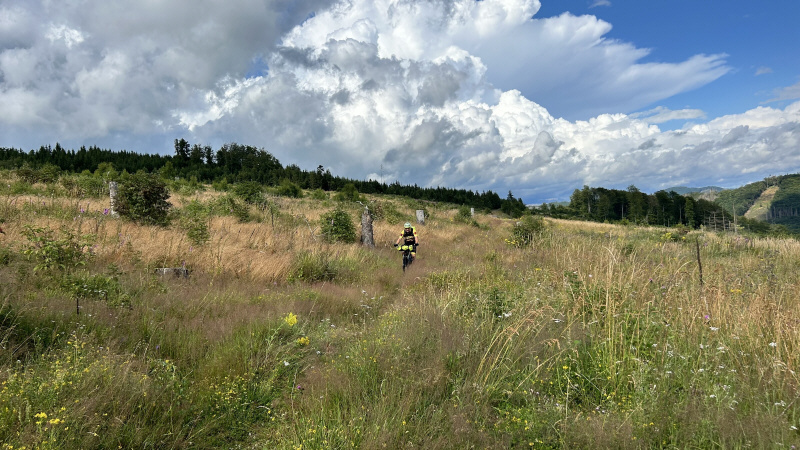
(773, 344)
(714, 328)
(286, 363)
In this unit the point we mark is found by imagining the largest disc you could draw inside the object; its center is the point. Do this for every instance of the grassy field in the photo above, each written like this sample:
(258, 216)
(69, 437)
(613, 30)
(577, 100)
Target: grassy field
(593, 336)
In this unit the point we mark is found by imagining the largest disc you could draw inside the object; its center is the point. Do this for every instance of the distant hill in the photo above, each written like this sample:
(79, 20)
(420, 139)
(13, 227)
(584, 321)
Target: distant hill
(774, 200)
(683, 190)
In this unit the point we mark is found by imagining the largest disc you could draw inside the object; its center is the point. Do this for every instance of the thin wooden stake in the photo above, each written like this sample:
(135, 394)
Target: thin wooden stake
(699, 264)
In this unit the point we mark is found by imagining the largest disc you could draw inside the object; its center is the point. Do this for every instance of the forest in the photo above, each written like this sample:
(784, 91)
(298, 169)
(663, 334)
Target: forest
(236, 163)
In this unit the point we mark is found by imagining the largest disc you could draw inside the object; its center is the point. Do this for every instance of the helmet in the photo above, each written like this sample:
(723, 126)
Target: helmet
(407, 225)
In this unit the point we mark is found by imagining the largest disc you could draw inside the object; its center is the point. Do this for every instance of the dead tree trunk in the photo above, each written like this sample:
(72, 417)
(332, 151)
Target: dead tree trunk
(366, 229)
(112, 190)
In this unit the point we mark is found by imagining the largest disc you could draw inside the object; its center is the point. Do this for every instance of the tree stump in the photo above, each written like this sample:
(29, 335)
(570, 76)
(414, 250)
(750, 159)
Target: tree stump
(366, 229)
(112, 191)
(421, 216)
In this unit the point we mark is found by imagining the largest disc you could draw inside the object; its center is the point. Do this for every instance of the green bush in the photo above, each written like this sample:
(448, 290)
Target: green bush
(97, 287)
(319, 194)
(84, 185)
(50, 252)
(220, 185)
(289, 189)
(348, 193)
(337, 226)
(142, 198)
(464, 215)
(227, 205)
(249, 191)
(526, 231)
(194, 221)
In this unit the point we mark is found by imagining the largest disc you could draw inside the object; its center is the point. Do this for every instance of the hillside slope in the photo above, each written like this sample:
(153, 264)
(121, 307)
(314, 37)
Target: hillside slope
(760, 208)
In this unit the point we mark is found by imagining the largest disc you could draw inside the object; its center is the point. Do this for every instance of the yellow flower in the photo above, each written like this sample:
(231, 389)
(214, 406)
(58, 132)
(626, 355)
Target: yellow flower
(41, 415)
(290, 319)
(303, 340)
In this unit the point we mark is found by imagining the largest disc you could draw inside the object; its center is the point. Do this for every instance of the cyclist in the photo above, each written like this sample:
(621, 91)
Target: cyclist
(409, 237)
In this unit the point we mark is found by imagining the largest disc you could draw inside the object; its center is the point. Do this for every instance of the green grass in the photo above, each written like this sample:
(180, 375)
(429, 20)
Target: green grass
(588, 336)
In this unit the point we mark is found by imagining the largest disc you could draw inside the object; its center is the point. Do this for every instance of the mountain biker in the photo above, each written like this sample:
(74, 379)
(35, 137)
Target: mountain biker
(409, 237)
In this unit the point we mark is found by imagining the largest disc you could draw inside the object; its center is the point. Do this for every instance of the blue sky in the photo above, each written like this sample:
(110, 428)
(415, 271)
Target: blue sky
(761, 41)
(539, 97)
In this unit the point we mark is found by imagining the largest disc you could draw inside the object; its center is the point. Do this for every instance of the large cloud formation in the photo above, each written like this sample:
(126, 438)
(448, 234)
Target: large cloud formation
(459, 93)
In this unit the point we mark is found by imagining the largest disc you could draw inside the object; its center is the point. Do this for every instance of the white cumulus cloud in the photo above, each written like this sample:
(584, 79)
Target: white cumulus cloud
(478, 95)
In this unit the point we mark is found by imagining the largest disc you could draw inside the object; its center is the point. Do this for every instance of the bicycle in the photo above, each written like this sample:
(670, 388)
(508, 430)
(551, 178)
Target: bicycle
(407, 257)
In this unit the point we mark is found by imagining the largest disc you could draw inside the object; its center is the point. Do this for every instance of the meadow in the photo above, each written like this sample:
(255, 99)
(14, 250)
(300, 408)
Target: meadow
(587, 336)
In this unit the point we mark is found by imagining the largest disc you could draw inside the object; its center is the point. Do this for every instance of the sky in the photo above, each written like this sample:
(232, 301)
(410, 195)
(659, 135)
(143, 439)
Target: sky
(539, 97)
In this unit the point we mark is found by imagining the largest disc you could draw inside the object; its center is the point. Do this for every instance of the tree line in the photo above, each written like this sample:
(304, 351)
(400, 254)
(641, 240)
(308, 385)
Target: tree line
(661, 208)
(237, 163)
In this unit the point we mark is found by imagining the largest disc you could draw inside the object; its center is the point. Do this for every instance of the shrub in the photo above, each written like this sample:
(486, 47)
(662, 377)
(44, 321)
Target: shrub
(49, 173)
(97, 287)
(50, 252)
(220, 185)
(319, 194)
(348, 193)
(142, 198)
(464, 215)
(85, 185)
(526, 231)
(194, 221)
(289, 189)
(249, 191)
(337, 226)
(228, 206)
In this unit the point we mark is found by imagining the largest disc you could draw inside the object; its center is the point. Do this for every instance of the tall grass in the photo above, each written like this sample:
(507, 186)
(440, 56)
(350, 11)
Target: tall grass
(591, 336)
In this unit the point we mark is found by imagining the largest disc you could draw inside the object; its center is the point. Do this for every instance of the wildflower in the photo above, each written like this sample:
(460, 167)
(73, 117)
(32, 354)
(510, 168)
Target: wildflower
(286, 363)
(714, 328)
(290, 319)
(773, 344)
(303, 340)
(41, 415)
